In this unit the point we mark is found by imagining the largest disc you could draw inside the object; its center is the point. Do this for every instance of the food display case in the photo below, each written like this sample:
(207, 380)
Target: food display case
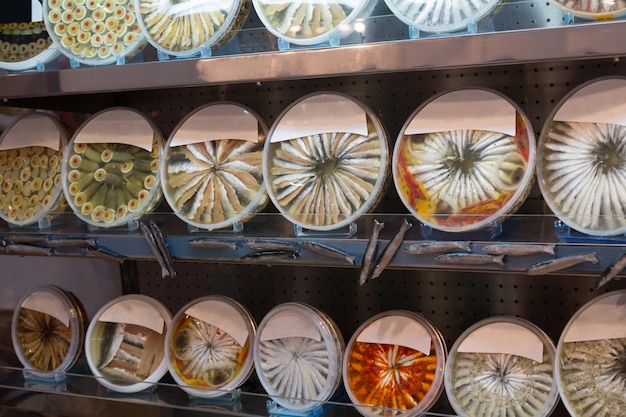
(533, 53)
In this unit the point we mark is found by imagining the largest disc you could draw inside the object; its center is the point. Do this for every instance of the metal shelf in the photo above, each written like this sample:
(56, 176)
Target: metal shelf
(572, 42)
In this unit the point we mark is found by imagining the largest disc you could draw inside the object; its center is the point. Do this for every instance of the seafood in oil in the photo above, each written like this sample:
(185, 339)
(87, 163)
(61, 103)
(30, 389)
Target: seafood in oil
(204, 355)
(23, 41)
(43, 339)
(460, 180)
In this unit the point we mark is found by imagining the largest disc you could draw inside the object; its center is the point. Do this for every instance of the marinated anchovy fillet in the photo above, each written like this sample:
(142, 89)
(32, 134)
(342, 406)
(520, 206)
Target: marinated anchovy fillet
(22, 41)
(458, 180)
(215, 182)
(182, 26)
(94, 31)
(592, 377)
(31, 183)
(441, 15)
(498, 384)
(110, 184)
(583, 170)
(391, 376)
(296, 368)
(322, 180)
(43, 339)
(204, 355)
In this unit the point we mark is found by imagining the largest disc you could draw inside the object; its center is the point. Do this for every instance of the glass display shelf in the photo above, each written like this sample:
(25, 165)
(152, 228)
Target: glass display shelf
(61, 398)
(68, 237)
(539, 31)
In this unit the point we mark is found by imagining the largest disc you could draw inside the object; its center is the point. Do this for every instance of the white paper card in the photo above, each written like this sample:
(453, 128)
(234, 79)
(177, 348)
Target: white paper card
(223, 316)
(36, 12)
(507, 338)
(118, 126)
(290, 324)
(34, 130)
(217, 122)
(322, 113)
(467, 109)
(48, 303)
(601, 102)
(605, 319)
(397, 330)
(137, 312)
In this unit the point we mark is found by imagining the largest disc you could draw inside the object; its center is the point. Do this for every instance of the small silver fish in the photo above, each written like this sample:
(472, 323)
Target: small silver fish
(25, 239)
(270, 244)
(150, 239)
(431, 247)
(212, 243)
(514, 249)
(469, 259)
(104, 253)
(612, 271)
(270, 255)
(162, 246)
(26, 249)
(71, 241)
(557, 264)
(367, 265)
(327, 250)
(390, 250)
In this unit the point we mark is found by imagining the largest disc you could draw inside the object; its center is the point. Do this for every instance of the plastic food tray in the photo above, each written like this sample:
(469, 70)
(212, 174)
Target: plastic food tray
(107, 181)
(25, 45)
(581, 159)
(48, 331)
(326, 161)
(501, 364)
(185, 28)
(211, 171)
(125, 343)
(31, 175)
(469, 177)
(297, 356)
(94, 32)
(590, 358)
(395, 360)
(209, 346)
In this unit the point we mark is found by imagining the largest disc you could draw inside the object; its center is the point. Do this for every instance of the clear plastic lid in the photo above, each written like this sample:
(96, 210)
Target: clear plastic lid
(394, 365)
(208, 346)
(581, 166)
(125, 343)
(297, 356)
(441, 15)
(110, 169)
(311, 23)
(464, 160)
(326, 161)
(24, 45)
(591, 356)
(31, 155)
(94, 32)
(184, 28)
(600, 10)
(48, 331)
(211, 171)
(501, 364)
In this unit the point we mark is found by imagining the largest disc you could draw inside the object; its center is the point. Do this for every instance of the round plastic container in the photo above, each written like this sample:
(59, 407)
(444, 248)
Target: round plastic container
(464, 160)
(602, 10)
(581, 162)
(211, 171)
(590, 358)
(94, 32)
(125, 343)
(326, 161)
(24, 45)
(501, 364)
(297, 356)
(31, 155)
(306, 23)
(394, 365)
(110, 177)
(185, 28)
(208, 346)
(439, 16)
(48, 331)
